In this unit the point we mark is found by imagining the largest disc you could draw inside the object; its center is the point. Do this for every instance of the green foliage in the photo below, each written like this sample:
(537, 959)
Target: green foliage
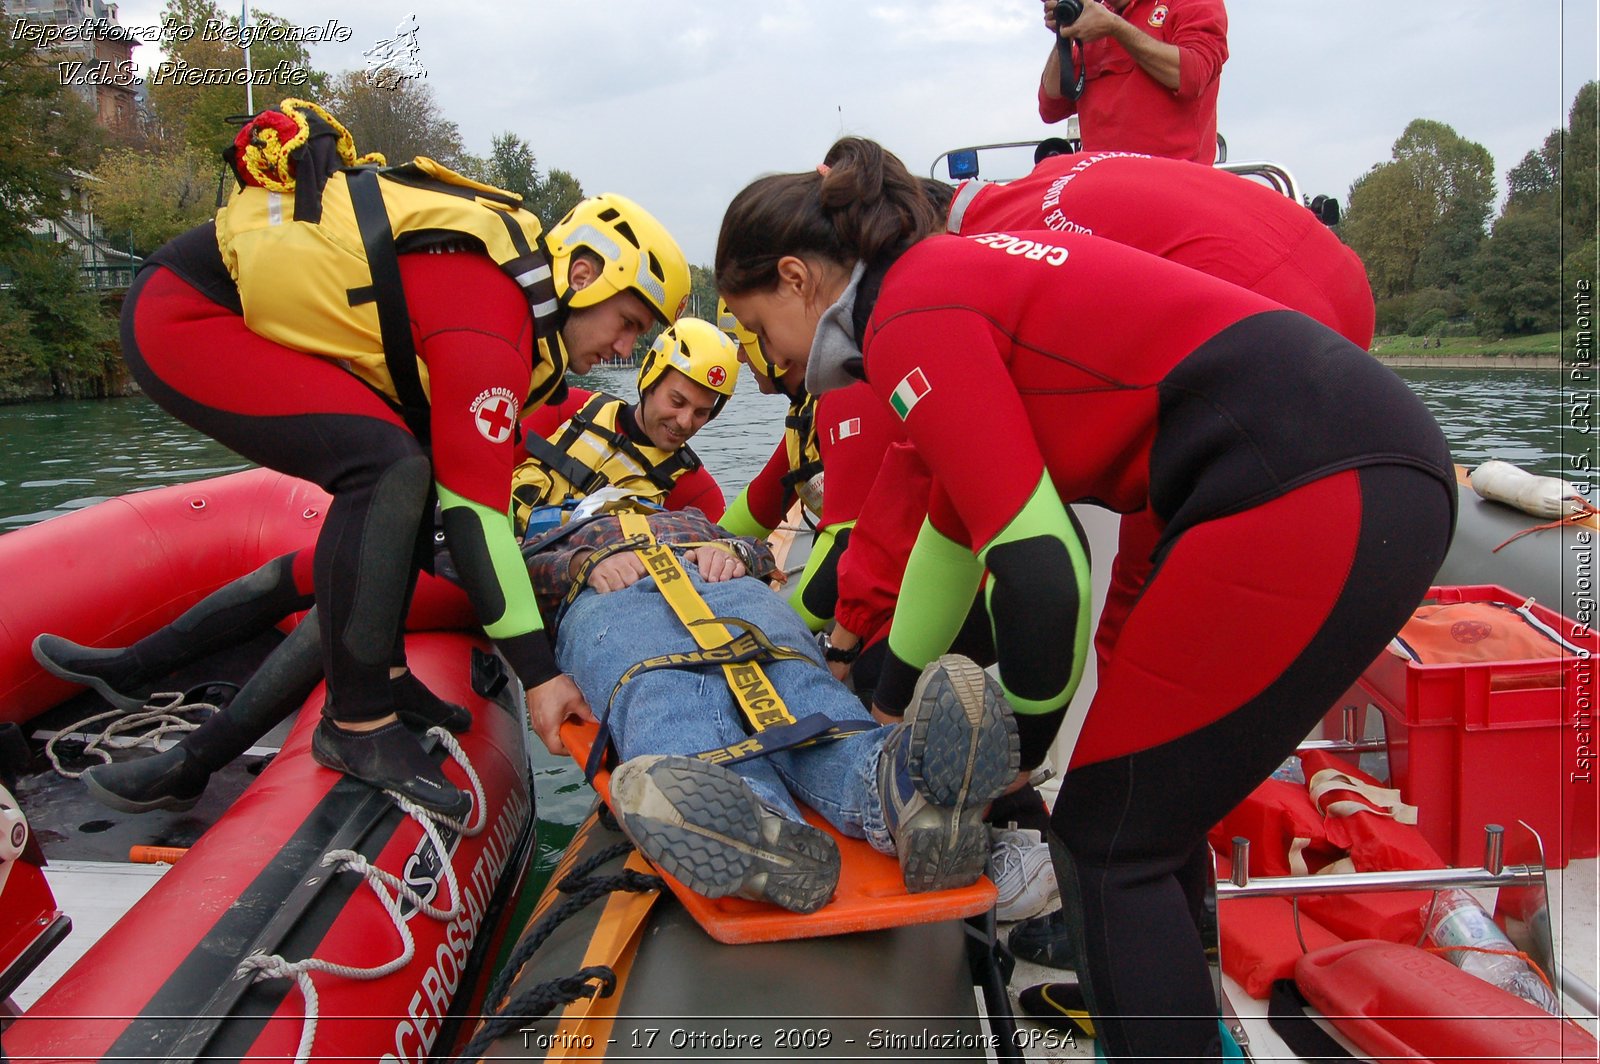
(1582, 163)
(556, 194)
(1517, 286)
(1457, 176)
(702, 293)
(1537, 176)
(47, 130)
(51, 327)
(1387, 224)
(153, 196)
(513, 166)
(400, 119)
(197, 115)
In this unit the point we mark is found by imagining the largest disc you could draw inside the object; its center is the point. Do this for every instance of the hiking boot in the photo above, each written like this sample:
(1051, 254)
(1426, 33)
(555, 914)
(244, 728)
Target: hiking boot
(1044, 940)
(955, 753)
(390, 759)
(1019, 864)
(420, 709)
(167, 780)
(704, 826)
(111, 673)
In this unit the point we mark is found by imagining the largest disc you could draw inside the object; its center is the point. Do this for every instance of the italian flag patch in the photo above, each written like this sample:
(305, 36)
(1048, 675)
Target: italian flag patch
(909, 392)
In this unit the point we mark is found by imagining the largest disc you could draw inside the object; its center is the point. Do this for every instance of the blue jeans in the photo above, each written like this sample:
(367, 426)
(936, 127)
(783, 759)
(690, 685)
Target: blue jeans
(688, 711)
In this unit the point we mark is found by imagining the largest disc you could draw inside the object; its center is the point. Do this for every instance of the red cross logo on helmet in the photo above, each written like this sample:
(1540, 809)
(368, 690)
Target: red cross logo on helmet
(715, 376)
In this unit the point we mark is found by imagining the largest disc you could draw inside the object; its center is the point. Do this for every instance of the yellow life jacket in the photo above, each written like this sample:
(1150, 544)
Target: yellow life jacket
(589, 452)
(329, 284)
(805, 458)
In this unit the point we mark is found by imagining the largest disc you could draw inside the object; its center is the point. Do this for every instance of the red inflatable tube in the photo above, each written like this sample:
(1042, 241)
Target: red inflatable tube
(163, 982)
(1400, 1003)
(114, 572)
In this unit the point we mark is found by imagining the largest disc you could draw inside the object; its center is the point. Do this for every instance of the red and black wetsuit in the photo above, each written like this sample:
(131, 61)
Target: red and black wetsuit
(187, 345)
(1209, 220)
(1306, 499)
(853, 432)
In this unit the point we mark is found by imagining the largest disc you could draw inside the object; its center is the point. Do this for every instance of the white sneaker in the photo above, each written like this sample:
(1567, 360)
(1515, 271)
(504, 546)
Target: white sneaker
(1019, 864)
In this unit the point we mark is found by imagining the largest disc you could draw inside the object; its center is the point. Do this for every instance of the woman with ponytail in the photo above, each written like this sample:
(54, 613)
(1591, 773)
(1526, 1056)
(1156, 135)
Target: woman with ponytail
(1305, 503)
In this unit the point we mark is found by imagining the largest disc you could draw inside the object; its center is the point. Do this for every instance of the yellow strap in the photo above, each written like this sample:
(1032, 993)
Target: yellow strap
(756, 695)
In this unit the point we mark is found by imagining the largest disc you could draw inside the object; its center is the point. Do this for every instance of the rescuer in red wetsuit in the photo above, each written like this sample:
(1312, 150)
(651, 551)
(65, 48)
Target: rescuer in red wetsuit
(828, 457)
(1152, 69)
(195, 338)
(1306, 499)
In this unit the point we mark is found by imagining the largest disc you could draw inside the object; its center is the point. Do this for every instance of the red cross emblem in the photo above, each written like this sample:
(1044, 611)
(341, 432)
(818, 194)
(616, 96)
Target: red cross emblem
(495, 417)
(715, 376)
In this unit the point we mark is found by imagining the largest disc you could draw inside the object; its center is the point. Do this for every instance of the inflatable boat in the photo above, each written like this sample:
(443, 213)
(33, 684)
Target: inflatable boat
(254, 945)
(315, 918)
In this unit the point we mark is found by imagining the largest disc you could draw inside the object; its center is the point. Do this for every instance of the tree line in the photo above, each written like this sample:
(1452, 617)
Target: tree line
(1421, 224)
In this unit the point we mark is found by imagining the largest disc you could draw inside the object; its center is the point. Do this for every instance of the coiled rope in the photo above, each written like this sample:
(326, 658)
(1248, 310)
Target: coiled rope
(390, 889)
(149, 726)
(591, 982)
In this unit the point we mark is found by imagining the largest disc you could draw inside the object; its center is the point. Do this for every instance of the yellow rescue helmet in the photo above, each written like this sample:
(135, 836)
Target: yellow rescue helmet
(698, 350)
(747, 340)
(638, 253)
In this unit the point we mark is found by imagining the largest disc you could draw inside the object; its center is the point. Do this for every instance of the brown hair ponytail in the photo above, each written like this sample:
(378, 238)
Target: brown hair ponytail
(862, 204)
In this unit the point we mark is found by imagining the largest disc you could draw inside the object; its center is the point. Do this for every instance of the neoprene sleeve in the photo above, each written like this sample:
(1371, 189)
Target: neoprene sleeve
(816, 592)
(496, 581)
(1039, 591)
(941, 580)
(739, 521)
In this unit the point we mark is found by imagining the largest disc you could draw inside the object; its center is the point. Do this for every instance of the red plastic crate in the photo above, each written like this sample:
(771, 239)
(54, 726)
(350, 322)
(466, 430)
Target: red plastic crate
(1495, 742)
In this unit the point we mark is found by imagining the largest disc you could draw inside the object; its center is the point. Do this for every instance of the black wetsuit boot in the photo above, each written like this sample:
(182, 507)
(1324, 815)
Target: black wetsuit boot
(175, 778)
(232, 614)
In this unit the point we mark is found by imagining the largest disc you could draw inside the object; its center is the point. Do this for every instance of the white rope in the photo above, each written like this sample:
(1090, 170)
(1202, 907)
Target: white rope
(123, 732)
(261, 966)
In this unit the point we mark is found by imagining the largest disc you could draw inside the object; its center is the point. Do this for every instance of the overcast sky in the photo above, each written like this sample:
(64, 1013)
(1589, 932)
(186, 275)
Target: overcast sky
(679, 103)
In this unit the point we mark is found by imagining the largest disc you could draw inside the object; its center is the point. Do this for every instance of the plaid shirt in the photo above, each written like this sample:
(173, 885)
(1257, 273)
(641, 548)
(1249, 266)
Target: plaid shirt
(551, 569)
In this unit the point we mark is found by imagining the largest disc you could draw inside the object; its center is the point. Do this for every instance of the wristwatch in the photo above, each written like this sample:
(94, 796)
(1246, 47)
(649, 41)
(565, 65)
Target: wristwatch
(842, 655)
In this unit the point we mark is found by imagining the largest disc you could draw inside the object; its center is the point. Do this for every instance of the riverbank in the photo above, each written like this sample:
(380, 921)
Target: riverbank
(1540, 351)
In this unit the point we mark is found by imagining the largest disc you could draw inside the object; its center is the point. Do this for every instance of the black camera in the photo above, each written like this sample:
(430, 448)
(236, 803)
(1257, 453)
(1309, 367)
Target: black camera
(1067, 12)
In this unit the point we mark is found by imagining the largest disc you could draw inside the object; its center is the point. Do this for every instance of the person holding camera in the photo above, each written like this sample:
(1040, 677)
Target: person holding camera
(1141, 75)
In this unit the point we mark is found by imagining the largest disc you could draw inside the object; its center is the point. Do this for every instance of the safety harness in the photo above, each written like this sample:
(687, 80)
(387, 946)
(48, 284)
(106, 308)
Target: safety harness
(805, 457)
(593, 450)
(313, 236)
(772, 726)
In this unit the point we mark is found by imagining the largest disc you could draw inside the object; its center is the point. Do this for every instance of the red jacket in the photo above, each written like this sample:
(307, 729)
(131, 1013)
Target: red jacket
(1124, 109)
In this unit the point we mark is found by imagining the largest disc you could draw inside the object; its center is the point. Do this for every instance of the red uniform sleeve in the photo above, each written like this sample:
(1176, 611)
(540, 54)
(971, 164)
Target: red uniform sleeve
(1199, 29)
(765, 495)
(854, 430)
(698, 490)
(475, 333)
(942, 371)
(1053, 108)
(874, 564)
